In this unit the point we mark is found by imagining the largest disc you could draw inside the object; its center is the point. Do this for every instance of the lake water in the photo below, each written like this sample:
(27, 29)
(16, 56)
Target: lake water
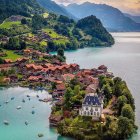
(38, 123)
(123, 59)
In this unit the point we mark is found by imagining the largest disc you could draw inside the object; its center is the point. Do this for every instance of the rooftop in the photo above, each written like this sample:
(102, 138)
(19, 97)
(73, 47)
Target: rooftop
(92, 99)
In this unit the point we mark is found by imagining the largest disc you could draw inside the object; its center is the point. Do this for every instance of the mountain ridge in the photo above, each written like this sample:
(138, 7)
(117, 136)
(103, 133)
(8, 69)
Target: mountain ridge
(53, 7)
(112, 18)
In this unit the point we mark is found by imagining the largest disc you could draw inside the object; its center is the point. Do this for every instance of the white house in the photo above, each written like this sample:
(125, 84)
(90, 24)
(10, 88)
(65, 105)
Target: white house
(92, 106)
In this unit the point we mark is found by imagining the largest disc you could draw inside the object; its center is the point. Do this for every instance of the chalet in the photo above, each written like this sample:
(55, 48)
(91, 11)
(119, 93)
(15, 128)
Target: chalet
(6, 80)
(54, 120)
(92, 88)
(103, 68)
(35, 78)
(67, 77)
(59, 91)
(13, 78)
(27, 52)
(92, 106)
(5, 67)
(21, 62)
(7, 61)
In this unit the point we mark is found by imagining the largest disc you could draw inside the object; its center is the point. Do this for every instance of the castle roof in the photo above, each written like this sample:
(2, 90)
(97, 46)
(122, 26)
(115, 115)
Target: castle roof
(92, 99)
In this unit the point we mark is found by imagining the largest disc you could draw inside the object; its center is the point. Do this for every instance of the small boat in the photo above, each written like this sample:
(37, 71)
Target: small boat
(40, 100)
(19, 107)
(40, 135)
(26, 122)
(23, 101)
(7, 102)
(6, 122)
(33, 112)
(29, 99)
(37, 96)
(28, 95)
(12, 98)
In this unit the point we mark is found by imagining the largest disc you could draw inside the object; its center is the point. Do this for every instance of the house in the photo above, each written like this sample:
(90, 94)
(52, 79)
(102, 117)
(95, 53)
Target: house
(5, 67)
(103, 68)
(92, 88)
(7, 61)
(60, 90)
(67, 77)
(92, 106)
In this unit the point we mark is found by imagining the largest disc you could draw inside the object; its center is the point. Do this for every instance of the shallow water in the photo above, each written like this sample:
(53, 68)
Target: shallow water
(38, 122)
(123, 59)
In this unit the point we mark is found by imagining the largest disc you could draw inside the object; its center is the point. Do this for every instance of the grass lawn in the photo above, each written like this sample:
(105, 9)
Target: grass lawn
(43, 43)
(11, 55)
(52, 33)
(61, 41)
(8, 24)
(45, 15)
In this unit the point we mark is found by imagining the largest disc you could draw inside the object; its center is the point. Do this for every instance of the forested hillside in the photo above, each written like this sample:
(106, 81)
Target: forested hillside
(18, 7)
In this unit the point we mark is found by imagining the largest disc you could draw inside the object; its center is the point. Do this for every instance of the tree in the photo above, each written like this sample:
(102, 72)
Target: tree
(23, 45)
(107, 91)
(122, 100)
(60, 52)
(67, 97)
(125, 127)
(24, 21)
(127, 111)
(76, 89)
(1, 61)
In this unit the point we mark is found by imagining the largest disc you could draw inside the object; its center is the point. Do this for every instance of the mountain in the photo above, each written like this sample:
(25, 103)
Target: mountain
(112, 18)
(135, 18)
(93, 27)
(18, 7)
(51, 6)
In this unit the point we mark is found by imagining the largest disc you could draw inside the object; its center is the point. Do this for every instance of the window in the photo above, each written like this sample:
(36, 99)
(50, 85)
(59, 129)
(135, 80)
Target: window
(94, 113)
(86, 108)
(85, 113)
(97, 113)
(96, 109)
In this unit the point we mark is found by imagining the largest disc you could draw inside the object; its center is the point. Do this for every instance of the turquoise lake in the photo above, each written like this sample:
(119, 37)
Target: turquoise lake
(123, 59)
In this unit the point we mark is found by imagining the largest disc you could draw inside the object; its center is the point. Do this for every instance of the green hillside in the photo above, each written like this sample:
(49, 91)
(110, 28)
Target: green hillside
(18, 7)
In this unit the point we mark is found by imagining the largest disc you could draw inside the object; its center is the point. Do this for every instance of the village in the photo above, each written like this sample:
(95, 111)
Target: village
(52, 75)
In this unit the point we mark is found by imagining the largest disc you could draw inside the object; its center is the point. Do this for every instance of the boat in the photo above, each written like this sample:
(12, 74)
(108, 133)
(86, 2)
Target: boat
(6, 122)
(19, 107)
(7, 102)
(33, 112)
(12, 98)
(40, 135)
(23, 101)
(40, 100)
(28, 95)
(37, 96)
(26, 122)
(29, 99)
(0, 105)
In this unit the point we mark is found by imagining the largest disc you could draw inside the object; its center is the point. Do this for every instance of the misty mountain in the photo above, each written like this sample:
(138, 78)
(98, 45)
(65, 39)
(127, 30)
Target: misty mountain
(135, 18)
(51, 6)
(112, 18)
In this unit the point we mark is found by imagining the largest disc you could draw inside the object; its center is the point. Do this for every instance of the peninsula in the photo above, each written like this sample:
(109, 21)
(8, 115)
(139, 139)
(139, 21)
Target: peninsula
(87, 103)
